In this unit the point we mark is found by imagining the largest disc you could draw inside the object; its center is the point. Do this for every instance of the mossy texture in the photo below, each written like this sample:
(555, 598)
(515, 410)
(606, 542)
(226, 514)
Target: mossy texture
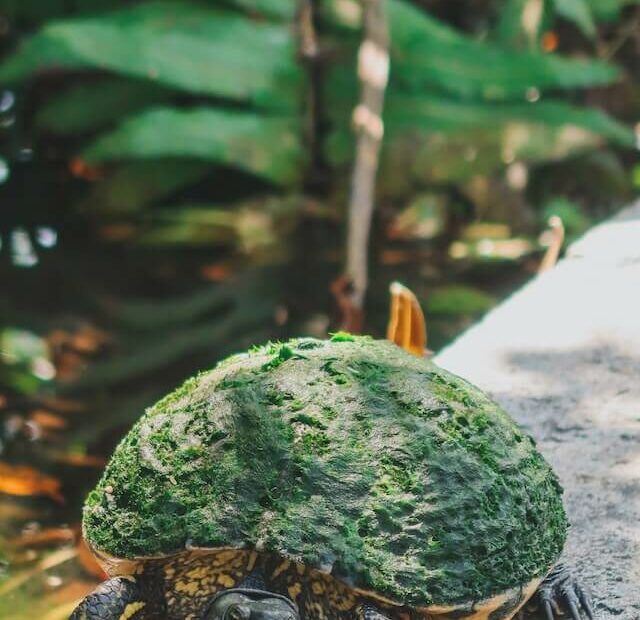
(350, 455)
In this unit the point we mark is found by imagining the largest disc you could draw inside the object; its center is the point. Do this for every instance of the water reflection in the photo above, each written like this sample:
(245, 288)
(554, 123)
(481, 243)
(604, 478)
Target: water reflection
(22, 252)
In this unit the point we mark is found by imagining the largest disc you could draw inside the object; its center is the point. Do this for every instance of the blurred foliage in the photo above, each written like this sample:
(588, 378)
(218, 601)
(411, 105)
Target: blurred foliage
(224, 84)
(574, 220)
(152, 99)
(458, 301)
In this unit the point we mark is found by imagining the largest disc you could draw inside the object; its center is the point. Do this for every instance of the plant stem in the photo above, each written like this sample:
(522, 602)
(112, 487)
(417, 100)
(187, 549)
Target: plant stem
(373, 71)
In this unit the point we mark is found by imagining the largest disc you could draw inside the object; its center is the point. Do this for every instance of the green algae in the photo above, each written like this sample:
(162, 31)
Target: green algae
(342, 337)
(347, 453)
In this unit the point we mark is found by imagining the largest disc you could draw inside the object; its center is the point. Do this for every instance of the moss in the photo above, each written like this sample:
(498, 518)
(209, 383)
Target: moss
(408, 479)
(342, 337)
(280, 355)
(316, 442)
(330, 367)
(308, 420)
(329, 412)
(305, 344)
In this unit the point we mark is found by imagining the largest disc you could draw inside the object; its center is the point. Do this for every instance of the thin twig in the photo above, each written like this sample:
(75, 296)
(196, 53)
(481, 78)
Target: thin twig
(556, 235)
(373, 72)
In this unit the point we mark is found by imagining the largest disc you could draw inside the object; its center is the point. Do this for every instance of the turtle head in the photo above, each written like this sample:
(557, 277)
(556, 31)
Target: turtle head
(247, 604)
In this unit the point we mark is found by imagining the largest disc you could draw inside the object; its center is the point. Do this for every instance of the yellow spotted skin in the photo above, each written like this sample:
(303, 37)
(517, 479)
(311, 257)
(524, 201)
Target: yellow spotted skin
(132, 609)
(185, 583)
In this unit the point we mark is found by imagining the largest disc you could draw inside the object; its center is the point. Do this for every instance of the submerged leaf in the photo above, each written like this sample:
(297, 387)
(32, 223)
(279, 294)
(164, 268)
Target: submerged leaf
(155, 354)
(249, 226)
(135, 185)
(95, 105)
(192, 225)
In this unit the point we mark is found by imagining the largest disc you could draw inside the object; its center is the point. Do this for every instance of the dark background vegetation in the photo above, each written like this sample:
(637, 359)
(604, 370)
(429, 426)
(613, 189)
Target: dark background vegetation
(174, 178)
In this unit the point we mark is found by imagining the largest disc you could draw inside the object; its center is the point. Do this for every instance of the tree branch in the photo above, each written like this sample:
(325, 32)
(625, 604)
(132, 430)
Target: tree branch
(373, 71)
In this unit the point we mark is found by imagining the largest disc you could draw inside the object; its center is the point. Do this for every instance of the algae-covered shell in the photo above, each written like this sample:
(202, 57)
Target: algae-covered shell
(349, 455)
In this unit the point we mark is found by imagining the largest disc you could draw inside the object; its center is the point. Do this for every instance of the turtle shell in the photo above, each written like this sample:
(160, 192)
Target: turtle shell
(349, 456)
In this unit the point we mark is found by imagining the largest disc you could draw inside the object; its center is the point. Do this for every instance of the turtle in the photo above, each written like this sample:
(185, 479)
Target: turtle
(327, 479)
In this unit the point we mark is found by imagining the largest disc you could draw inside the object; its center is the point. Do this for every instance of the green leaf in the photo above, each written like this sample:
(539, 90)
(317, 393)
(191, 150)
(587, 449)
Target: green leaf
(426, 54)
(179, 44)
(133, 186)
(578, 12)
(406, 113)
(156, 353)
(39, 53)
(450, 130)
(248, 226)
(192, 225)
(452, 141)
(266, 147)
(95, 105)
(172, 312)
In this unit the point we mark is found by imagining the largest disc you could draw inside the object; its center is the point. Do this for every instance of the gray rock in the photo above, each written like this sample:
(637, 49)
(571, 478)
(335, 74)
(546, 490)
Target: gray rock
(562, 355)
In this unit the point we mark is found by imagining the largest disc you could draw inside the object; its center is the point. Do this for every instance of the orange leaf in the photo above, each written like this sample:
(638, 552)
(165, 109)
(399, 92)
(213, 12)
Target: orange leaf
(84, 170)
(44, 538)
(407, 327)
(62, 405)
(76, 459)
(549, 41)
(216, 272)
(24, 481)
(48, 421)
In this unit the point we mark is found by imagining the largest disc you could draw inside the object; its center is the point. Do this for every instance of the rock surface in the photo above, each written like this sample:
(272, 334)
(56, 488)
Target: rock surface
(562, 356)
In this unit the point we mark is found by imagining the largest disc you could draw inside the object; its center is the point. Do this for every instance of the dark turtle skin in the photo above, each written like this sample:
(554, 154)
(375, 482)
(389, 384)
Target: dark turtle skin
(341, 479)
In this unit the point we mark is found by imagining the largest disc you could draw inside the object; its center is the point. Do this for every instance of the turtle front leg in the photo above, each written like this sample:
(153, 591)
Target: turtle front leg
(561, 591)
(114, 599)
